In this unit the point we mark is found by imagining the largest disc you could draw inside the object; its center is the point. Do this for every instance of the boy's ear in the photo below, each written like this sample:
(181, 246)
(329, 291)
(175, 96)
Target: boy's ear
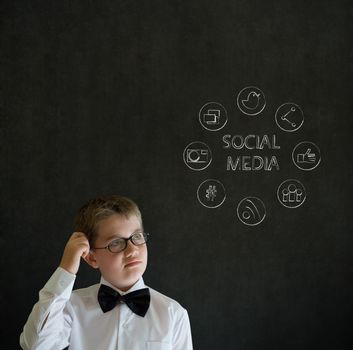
(91, 259)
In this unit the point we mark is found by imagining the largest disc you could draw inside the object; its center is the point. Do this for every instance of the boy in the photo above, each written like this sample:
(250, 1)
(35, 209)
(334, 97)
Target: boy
(120, 312)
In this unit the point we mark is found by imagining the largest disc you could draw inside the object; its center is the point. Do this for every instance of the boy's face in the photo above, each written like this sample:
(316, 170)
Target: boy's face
(120, 269)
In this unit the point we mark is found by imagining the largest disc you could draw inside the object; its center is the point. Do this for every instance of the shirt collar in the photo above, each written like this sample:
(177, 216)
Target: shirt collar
(138, 285)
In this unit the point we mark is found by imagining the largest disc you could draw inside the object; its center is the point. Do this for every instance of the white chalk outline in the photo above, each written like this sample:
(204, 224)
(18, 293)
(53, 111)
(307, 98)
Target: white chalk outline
(278, 197)
(263, 96)
(199, 142)
(218, 205)
(262, 203)
(225, 113)
(301, 111)
(317, 148)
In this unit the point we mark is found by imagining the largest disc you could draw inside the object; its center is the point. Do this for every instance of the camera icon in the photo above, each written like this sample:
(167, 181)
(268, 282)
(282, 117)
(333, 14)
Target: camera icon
(197, 156)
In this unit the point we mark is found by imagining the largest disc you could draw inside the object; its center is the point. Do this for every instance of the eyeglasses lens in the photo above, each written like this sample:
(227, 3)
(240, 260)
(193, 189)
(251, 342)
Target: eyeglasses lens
(119, 244)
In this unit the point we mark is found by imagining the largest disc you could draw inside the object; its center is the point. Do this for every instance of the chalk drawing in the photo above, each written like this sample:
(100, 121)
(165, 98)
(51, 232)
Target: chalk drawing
(197, 155)
(251, 211)
(251, 100)
(291, 193)
(211, 193)
(213, 116)
(306, 155)
(289, 117)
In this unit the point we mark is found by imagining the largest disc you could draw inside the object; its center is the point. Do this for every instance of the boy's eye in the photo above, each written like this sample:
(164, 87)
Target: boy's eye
(117, 243)
(137, 237)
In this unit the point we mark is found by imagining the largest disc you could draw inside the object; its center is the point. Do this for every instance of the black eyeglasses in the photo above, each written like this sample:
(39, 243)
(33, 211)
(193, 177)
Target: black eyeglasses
(120, 244)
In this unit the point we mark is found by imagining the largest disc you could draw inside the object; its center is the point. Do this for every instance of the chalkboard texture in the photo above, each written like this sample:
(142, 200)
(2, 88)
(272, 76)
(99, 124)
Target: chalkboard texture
(229, 122)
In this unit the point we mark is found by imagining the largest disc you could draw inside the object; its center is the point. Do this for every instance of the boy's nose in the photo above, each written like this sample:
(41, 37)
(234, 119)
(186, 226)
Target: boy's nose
(131, 249)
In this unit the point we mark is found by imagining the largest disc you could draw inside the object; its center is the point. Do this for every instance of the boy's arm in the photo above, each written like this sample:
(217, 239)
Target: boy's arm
(182, 333)
(49, 325)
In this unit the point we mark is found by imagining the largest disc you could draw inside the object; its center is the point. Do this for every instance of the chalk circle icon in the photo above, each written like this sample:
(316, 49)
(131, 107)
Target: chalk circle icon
(211, 193)
(213, 116)
(251, 211)
(289, 117)
(306, 155)
(197, 155)
(251, 100)
(291, 193)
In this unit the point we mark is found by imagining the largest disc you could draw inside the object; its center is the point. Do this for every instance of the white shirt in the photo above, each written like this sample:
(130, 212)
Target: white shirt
(63, 317)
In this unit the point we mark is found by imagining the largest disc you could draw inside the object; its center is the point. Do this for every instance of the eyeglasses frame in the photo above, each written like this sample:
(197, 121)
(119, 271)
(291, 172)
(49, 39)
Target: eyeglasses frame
(145, 235)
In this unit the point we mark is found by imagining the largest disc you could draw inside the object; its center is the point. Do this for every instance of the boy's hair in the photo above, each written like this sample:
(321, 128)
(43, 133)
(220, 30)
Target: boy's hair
(99, 208)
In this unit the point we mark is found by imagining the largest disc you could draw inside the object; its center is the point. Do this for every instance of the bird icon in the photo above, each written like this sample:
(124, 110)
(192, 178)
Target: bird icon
(252, 101)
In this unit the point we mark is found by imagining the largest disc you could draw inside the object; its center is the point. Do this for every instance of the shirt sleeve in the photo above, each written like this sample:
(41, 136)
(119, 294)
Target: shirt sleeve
(48, 325)
(182, 339)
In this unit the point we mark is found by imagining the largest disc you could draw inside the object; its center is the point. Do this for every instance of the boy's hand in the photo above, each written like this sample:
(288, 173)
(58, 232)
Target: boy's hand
(76, 247)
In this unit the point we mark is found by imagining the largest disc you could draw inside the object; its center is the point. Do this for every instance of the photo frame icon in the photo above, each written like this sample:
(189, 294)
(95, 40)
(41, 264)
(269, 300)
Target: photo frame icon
(213, 116)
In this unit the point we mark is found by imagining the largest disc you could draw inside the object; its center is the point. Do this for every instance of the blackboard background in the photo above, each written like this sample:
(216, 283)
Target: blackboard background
(101, 97)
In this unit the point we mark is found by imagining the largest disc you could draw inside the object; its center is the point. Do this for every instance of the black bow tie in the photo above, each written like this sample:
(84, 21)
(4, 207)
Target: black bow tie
(138, 301)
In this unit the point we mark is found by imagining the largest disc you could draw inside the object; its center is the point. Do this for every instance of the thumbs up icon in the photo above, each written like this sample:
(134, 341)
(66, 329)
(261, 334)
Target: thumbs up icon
(306, 157)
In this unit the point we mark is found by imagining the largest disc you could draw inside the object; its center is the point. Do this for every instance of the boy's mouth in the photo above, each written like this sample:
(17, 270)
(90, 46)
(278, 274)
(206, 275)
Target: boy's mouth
(133, 263)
